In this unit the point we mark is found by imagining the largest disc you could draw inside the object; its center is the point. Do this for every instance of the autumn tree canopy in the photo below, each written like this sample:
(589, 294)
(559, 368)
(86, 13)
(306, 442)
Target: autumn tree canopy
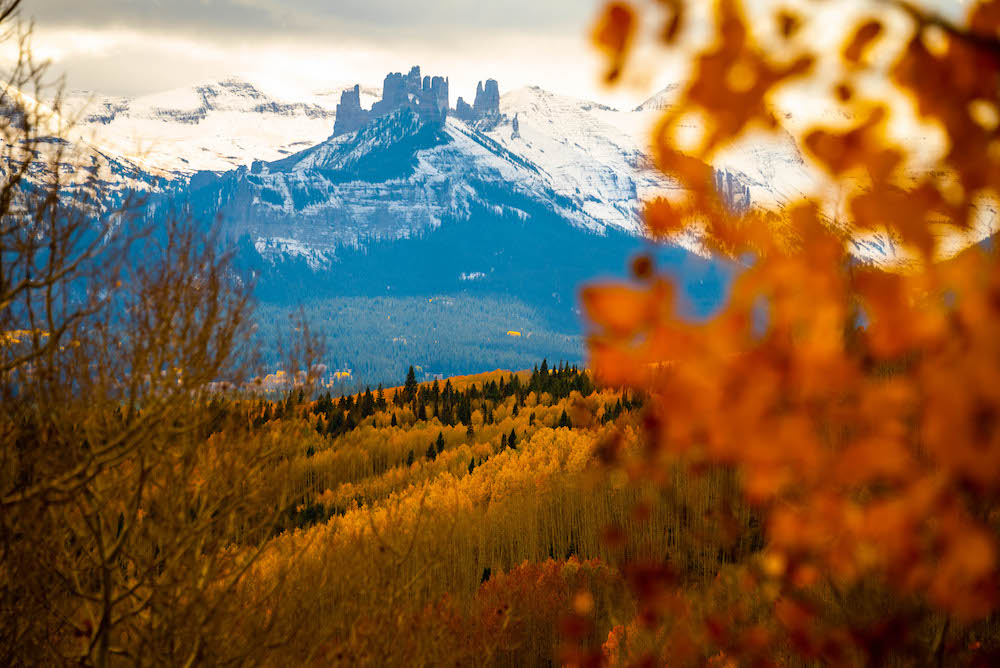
(857, 402)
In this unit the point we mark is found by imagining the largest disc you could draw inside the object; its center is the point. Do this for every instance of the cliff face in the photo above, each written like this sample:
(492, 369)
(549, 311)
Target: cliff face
(463, 110)
(350, 116)
(487, 99)
(427, 96)
(486, 104)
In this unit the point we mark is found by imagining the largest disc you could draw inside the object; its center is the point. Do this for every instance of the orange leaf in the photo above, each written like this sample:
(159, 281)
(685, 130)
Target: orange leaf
(621, 309)
(862, 40)
(613, 35)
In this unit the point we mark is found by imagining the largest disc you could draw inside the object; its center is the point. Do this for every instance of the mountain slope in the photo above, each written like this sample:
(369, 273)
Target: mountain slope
(212, 126)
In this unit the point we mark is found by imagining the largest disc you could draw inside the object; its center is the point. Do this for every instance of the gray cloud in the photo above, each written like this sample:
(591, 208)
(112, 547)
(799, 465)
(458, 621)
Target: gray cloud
(170, 15)
(227, 18)
(176, 42)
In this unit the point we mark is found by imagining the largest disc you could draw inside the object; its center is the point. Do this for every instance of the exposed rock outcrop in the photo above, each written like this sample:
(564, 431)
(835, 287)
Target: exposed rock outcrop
(735, 194)
(464, 111)
(350, 116)
(487, 99)
(427, 96)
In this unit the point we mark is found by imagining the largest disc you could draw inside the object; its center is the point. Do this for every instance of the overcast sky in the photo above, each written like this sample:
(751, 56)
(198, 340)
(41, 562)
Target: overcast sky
(131, 47)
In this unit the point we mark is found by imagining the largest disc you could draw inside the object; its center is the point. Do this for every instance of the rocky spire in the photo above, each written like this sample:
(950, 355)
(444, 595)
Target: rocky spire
(487, 99)
(350, 116)
(428, 96)
(486, 104)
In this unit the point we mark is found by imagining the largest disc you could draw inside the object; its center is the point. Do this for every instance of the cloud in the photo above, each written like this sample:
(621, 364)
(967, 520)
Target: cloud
(235, 18)
(200, 17)
(131, 47)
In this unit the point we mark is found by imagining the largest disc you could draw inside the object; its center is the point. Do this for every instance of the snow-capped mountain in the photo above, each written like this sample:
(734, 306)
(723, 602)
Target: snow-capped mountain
(581, 161)
(364, 195)
(214, 126)
(584, 161)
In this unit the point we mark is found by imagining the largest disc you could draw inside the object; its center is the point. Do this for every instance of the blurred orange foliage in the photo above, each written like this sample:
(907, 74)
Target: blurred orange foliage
(859, 405)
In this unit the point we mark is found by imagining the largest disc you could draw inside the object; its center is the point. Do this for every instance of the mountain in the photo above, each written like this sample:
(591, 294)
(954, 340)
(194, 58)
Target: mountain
(587, 161)
(501, 214)
(583, 162)
(212, 126)
(385, 203)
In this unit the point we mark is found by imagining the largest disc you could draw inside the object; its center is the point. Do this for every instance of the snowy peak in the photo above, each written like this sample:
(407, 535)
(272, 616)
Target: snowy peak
(214, 126)
(193, 105)
(383, 146)
(535, 100)
(662, 100)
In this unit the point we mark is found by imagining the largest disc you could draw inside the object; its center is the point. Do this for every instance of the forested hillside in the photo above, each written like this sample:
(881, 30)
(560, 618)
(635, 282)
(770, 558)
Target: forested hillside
(442, 334)
(462, 518)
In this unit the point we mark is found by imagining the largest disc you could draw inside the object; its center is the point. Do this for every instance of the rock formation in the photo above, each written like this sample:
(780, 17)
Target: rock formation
(486, 104)
(464, 111)
(350, 116)
(487, 99)
(735, 195)
(427, 96)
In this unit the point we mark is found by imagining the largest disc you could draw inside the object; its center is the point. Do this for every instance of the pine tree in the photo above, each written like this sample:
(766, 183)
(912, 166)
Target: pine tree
(367, 403)
(335, 424)
(470, 431)
(531, 419)
(440, 442)
(431, 452)
(410, 387)
(503, 442)
(380, 403)
(564, 420)
(512, 439)
(394, 422)
(422, 412)
(409, 457)
(472, 465)
(515, 411)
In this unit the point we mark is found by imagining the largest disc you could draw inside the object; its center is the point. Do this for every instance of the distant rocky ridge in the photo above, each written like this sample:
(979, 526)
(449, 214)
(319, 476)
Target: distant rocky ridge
(427, 96)
(210, 97)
